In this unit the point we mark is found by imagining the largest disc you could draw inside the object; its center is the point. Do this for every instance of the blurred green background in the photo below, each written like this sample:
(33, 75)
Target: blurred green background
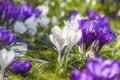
(60, 9)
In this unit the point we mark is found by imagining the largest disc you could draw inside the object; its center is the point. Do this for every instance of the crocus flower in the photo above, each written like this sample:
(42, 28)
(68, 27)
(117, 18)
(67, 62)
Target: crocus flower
(95, 31)
(20, 66)
(98, 69)
(104, 19)
(5, 77)
(74, 34)
(95, 15)
(19, 49)
(6, 58)
(84, 75)
(73, 15)
(19, 27)
(44, 21)
(104, 34)
(92, 14)
(75, 75)
(59, 38)
(101, 68)
(11, 13)
(67, 36)
(29, 25)
(88, 31)
(44, 10)
(6, 37)
(26, 11)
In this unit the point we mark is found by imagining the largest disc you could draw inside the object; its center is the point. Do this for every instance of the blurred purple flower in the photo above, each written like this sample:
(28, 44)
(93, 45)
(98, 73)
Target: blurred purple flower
(97, 31)
(98, 69)
(92, 14)
(95, 15)
(102, 68)
(75, 75)
(11, 13)
(84, 75)
(104, 19)
(37, 12)
(6, 37)
(5, 77)
(20, 66)
(72, 14)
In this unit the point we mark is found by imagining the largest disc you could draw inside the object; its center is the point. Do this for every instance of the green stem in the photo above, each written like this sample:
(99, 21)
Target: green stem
(2, 72)
(59, 57)
(67, 55)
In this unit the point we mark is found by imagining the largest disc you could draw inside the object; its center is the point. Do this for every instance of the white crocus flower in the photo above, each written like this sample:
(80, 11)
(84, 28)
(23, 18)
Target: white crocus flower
(59, 38)
(19, 27)
(31, 24)
(74, 34)
(54, 19)
(6, 58)
(71, 24)
(19, 49)
(44, 10)
(44, 21)
(74, 37)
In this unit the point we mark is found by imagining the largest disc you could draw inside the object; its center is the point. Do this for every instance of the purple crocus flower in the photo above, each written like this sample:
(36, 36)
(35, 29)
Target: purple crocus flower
(95, 15)
(84, 75)
(104, 34)
(88, 31)
(11, 13)
(20, 66)
(97, 31)
(26, 11)
(75, 75)
(37, 12)
(72, 14)
(6, 37)
(92, 14)
(102, 68)
(104, 19)
(98, 69)
(5, 76)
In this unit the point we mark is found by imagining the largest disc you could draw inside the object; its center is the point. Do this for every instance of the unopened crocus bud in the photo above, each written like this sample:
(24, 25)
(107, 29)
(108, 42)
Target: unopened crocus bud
(20, 66)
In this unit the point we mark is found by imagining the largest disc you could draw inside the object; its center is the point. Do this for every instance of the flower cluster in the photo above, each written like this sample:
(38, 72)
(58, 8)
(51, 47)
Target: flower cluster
(23, 18)
(96, 30)
(9, 13)
(67, 36)
(98, 69)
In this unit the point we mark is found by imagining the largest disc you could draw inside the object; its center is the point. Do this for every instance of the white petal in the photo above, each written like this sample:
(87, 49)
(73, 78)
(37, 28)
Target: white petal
(32, 31)
(56, 31)
(52, 39)
(31, 24)
(3, 54)
(79, 35)
(55, 43)
(20, 47)
(19, 27)
(44, 21)
(44, 9)
(6, 58)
